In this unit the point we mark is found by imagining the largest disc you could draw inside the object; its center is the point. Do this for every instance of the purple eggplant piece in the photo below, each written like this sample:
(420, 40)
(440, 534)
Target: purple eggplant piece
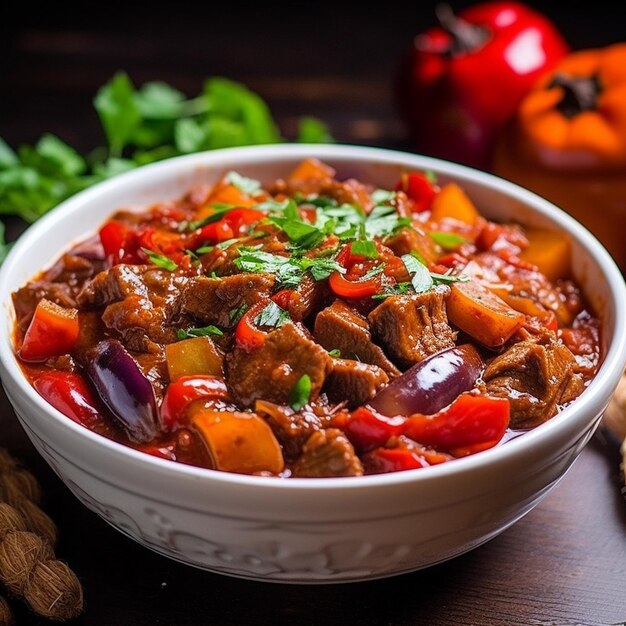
(432, 384)
(124, 389)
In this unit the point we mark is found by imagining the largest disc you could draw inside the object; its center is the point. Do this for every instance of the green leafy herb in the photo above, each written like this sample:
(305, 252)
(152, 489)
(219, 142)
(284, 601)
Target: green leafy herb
(364, 248)
(449, 278)
(420, 276)
(236, 314)
(219, 210)
(335, 353)
(321, 267)
(382, 196)
(300, 393)
(399, 289)
(140, 126)
(205, 249)
(375, 271)
(248, 186)
(199, 332)
(160, 260)
(4, 247)
(272, 315)
(311, 130)
(448, 241)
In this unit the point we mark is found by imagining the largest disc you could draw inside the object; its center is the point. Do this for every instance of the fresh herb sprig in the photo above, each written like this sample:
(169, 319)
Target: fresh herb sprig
(140, 126)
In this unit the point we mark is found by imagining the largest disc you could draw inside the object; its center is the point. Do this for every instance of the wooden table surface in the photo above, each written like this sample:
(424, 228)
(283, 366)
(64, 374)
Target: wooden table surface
(563, 564)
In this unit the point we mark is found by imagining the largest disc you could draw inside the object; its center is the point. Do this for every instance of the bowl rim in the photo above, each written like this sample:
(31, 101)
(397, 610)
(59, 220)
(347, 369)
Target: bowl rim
(599, 389)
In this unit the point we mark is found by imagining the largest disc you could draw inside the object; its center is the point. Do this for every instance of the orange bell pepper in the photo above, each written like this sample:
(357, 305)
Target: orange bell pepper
(568, 142)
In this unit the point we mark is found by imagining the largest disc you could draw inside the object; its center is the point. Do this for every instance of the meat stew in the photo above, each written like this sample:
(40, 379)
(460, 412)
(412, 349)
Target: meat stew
(314, 327)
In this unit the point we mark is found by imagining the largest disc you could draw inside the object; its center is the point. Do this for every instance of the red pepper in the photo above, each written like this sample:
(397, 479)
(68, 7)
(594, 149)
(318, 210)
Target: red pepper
(247, 335)
(214, 233)
(53, 331)
(240, 219)
(470, 420)
(68, 393)
(367, 429)
(182, 392)
(383, 460)
(345, 288)
(453, 72)
(418, 188)
(120, 243)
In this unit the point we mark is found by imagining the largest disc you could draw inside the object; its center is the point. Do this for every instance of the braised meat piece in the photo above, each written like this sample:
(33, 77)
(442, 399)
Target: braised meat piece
(213, 300)
(536, 375)
(291, 428)
(26, 298)
(328, 453)
(271, 371)
(413, 327)
(406, 240)
(138, 299)
(354, 381)
(310, 296)
(338, 327)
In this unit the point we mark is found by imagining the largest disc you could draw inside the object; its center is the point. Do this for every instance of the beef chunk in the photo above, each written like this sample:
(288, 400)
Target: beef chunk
(26, 298)
(413, 327)
(327, 453)
(212, 300)
(271, 371)
(408, 239)
(138, 300)
(310, 296)
(293, 429)
(354, 381)
(338, 327)
(536, 375)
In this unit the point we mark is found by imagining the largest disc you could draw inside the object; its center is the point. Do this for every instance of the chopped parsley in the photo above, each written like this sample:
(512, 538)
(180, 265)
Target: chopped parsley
(364, 248)
(219, 210)
(380, 196)
(236, 314)
(335, 353)
(248, 186)
(300, 393)
(420, 276)
(199, 332)
(448, 241)
(272, 315)
(160, 260)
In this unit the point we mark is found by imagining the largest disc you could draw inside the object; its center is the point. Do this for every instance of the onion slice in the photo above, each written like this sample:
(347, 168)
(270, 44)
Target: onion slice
(124, 389)
(432, 384)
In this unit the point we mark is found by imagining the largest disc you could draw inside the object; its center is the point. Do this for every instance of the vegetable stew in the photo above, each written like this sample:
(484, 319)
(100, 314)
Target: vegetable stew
(311, 327)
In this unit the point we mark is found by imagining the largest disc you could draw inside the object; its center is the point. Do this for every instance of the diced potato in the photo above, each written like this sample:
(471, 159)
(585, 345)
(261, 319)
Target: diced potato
(311, 169)
(453, 202)
(550, 251)
(191, 357)
(239, 442)
(481, 314)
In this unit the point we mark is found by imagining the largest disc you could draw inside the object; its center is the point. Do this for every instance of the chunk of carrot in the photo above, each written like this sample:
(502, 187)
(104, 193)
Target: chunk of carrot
(453, 202)
(549, 250)
(481, 314)
(239, 442)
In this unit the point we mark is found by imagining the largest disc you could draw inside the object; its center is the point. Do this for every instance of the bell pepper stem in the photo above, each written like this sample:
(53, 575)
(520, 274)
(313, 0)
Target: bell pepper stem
(466, 37)
(579, 94)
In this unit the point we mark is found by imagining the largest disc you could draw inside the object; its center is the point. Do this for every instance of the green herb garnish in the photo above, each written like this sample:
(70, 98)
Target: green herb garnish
(236, 314)
(335, 353)
(160, 260)
(448, 241)
(249, 186)
(300, 393)
(220, 210)
(199, 332)
(420, 276)
(364, 248)
(272, 315)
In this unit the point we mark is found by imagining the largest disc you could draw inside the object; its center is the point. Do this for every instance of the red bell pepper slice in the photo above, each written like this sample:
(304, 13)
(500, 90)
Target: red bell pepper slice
(215, 233)
(345, 288)
(418, 188)
(68, 393)
(240, 219)
(247, 335)
(470, 420)
(182, 392)
(120, 243)
(384, 460)
(367, 429)
(53, 331)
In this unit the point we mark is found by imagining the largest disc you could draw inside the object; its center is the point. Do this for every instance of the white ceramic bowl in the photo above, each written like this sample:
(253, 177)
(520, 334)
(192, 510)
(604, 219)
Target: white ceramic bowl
(310, 530)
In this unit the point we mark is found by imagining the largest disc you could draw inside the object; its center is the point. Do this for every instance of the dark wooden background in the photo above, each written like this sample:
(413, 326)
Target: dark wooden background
(563, 564)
